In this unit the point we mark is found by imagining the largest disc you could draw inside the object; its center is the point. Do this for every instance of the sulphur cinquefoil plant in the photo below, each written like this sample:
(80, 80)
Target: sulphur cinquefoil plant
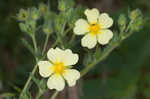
(75, 40)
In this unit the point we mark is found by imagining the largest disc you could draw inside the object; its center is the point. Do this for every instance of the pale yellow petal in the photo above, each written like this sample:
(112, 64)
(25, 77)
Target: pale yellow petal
(70, 58)
(71, 76)
(55, 55)
(81, 27)
(105, 21)
(105, 36)
(89, 41)
(56, 82)
(92, 15)
(44, 68)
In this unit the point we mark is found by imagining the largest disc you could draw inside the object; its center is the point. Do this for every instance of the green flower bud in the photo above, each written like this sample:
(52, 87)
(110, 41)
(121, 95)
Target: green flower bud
(23, 27)
(69, 14)
(47, 28)
(135, 14)
(137, 24)
(32, 24)
(72, 22)
(122, 20)
(62, 5)
(43, 8)
(59, 22)
(35, 13)
(58, 26)
(26, 28)
(23, 15)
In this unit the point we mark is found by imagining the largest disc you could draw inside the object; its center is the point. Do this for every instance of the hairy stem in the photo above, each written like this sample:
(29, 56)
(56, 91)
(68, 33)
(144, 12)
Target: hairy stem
(72, 38)
(56, 42)
(39, 94)
(55, 94)
(45, 44)
(101, 58)
(34, 44)
(70, 28)
(28, 81)
(33, 71)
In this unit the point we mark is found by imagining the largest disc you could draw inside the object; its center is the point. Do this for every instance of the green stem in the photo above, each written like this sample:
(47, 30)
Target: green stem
(104, 55)
(56, 42)
(55, 94)
(34, 44)
(28, 81)
(59, 38)
(39, 94)
(70, 28)
(129, 25)
(72, 38)
(61, 34)
(63, 28)
(34, 69)
(45, 44)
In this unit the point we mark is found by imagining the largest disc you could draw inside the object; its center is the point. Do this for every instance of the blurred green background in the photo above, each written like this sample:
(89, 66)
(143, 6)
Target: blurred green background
(125, 74)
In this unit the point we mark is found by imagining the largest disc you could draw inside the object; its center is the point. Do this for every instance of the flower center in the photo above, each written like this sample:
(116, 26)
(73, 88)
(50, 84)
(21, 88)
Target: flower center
(94, 28)
(59, 68)
(44, 9)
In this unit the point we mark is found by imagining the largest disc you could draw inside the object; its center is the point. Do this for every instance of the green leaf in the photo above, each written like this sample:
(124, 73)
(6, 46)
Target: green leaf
(29, 47)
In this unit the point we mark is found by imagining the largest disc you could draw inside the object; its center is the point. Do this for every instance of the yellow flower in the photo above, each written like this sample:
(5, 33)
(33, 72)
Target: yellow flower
(95, 29)
(58, 68)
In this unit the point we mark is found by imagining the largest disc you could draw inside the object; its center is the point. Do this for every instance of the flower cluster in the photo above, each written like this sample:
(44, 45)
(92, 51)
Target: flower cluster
(58, 67)
(63, 28)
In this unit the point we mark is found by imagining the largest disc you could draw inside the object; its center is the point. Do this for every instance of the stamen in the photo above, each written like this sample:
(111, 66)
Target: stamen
(59, 68)
(94, 28)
